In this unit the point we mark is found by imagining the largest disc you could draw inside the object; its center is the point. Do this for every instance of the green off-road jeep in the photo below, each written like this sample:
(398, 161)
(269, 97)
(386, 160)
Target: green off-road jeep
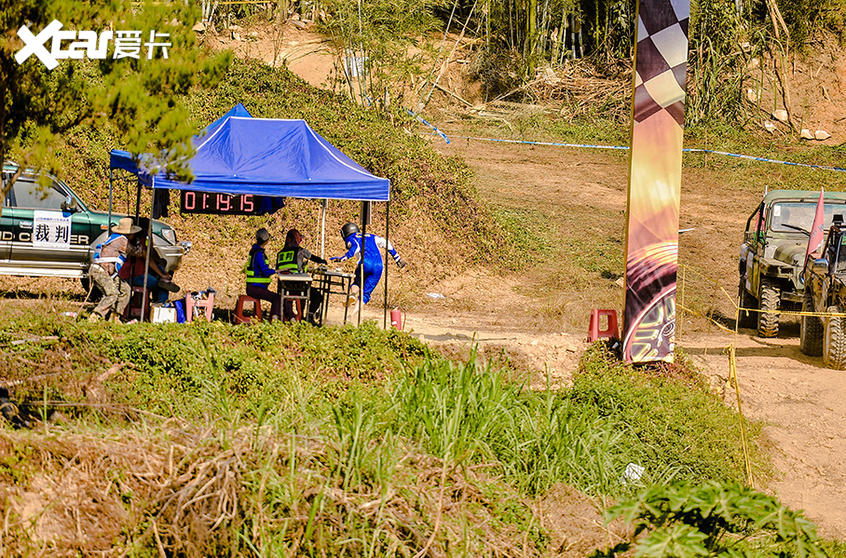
(772, 256)
(49, 231)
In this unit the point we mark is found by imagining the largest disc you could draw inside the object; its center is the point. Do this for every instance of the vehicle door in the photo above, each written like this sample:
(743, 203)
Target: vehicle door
(754, 239)
(42, 238)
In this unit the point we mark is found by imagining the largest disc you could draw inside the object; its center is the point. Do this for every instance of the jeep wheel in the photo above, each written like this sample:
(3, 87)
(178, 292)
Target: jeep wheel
(834, 340)
(747, 319)
(769, 304)
(810, 327)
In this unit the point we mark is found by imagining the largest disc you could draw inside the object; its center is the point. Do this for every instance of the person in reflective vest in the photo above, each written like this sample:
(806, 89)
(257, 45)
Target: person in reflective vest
(370, 263)
(259, 275)
(109, 257)
(293, 258)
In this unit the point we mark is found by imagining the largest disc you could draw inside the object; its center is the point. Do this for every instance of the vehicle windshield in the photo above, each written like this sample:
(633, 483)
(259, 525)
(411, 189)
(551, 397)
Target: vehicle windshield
(801, 214)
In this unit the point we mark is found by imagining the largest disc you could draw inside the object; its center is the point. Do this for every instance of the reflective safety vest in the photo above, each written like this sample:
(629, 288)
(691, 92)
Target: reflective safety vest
(252, 279)
(286, 260)
(117, 260)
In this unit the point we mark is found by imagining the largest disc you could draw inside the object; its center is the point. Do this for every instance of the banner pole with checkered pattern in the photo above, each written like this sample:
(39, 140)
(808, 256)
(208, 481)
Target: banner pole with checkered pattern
(655, 180)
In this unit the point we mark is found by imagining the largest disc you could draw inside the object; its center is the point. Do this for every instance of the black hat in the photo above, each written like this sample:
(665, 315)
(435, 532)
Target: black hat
(262, 235)
(348, 229)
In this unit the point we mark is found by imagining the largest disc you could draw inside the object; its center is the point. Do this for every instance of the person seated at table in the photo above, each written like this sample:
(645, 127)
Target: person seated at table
(259, 275)
(370, 261)
(293, 258)
(159, 282)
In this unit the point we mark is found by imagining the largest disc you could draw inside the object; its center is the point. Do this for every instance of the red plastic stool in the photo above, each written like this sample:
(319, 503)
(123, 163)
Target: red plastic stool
(133, 309)
(240, 318)
(296, 306)
(610, 332)
(208, 304)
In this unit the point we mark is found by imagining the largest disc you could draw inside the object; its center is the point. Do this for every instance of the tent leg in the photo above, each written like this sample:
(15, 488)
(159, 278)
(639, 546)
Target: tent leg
(150, 245)
(361, 275)
(137, 201)
(323, 208)
(111, 187)
(387, 240)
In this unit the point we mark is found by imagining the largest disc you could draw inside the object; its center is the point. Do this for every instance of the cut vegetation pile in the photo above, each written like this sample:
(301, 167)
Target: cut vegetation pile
(274, 440)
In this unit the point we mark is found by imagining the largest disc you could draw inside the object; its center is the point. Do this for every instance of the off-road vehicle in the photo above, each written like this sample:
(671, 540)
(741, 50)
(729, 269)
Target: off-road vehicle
(20, 254)
(772, 256)
(825, 291)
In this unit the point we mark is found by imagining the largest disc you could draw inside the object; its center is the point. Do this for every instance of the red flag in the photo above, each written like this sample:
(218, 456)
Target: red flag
(817, 232)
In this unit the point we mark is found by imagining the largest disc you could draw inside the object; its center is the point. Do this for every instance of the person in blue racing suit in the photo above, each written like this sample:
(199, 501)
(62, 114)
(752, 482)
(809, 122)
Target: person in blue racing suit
(371, 263)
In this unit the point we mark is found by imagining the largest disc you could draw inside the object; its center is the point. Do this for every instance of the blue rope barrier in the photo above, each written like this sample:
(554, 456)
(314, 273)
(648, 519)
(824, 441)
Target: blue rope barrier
(685, 150)
(429, 124)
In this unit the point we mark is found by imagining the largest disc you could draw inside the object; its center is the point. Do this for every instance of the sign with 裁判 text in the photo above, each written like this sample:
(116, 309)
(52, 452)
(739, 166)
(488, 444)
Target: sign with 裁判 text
(51, 229)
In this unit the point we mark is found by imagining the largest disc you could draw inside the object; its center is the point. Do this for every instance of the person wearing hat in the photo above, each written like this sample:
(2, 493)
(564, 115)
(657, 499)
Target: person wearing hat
(259, 275)
(109, 258)
(370, 263)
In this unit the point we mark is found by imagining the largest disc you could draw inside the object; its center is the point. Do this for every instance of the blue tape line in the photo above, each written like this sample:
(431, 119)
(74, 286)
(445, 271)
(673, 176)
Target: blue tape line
(685, 150)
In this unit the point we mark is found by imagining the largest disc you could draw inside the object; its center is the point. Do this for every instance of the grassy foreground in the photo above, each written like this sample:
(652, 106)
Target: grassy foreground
(268, 440)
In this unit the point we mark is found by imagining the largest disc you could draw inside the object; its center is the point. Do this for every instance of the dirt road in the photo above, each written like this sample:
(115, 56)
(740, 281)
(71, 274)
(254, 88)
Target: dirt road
(802, 405)
(537, 316)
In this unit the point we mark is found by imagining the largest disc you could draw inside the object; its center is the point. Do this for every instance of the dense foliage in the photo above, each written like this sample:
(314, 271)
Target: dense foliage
(714, 520)
(138, 96)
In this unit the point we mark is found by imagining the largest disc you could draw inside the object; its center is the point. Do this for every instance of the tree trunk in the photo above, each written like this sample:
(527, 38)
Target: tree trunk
(531, 28)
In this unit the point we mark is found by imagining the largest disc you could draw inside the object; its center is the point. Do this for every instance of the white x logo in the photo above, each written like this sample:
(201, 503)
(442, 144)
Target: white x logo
(34, 44)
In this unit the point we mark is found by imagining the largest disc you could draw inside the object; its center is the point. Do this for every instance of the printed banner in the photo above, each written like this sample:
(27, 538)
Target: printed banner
(51, 229)
(655, 180)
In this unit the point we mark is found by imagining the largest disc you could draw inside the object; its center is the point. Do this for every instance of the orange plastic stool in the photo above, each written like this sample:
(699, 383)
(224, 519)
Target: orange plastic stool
(612, 331)
(240, 318)
(208, 304)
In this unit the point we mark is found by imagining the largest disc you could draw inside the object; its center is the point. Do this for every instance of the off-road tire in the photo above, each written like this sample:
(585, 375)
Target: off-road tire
(834, 340)
(769, 301)
(810, 327)
(747, 319)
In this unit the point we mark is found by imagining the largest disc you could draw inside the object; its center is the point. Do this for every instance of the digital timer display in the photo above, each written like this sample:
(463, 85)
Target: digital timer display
(213, 203)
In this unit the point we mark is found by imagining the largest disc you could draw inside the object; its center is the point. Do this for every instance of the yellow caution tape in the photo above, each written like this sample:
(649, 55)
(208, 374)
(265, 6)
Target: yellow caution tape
(733, 380)
(709, 318)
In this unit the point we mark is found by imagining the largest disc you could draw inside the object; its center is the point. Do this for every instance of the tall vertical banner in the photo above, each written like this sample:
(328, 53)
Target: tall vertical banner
(655, 180)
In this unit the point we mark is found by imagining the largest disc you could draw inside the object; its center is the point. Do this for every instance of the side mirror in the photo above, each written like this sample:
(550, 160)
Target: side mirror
(70, 205)
(820, 266)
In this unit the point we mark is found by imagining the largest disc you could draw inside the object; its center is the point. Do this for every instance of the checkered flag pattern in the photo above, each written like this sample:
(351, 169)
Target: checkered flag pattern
(661, 60)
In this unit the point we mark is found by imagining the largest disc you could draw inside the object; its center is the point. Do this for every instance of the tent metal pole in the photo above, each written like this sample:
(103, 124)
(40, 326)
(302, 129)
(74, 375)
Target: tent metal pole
(147, 258)
(387, 243)
(137, 200)
(111, 187)
(324, 206)
(361, 274)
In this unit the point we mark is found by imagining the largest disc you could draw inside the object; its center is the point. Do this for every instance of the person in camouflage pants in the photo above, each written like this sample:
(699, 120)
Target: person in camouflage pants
(103, 272)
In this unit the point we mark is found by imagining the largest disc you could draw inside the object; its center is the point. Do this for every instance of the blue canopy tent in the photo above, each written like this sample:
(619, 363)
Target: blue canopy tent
(277, 158)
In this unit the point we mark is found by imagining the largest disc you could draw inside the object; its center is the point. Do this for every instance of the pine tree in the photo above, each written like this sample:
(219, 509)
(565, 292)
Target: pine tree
(139, 96)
